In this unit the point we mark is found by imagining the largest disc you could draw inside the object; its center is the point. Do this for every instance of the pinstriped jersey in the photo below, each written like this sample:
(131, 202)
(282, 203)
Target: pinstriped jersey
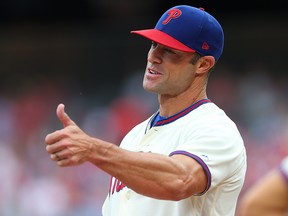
(203, 132)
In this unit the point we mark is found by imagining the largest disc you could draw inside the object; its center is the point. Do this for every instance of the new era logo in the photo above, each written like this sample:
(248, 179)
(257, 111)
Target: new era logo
(205, 46)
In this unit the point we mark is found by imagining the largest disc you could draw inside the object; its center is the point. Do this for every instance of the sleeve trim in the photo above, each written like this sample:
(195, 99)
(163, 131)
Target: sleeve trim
(201, 162)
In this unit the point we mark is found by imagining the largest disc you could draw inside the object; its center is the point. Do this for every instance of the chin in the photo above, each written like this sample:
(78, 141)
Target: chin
(150, 89)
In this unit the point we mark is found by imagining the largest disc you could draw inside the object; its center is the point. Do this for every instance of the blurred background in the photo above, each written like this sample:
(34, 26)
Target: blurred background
(81, 53)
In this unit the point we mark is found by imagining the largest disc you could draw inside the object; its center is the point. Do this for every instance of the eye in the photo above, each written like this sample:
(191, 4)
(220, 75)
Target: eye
(164, 49)
(169, 51)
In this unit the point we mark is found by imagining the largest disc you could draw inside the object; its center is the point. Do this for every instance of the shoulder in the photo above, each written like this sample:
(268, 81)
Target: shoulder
(209, 117)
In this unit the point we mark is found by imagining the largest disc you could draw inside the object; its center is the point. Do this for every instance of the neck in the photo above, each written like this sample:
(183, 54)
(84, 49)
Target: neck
(171, 105)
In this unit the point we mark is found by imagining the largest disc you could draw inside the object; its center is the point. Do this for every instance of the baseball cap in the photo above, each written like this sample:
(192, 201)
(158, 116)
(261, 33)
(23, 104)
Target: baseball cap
(188, 29)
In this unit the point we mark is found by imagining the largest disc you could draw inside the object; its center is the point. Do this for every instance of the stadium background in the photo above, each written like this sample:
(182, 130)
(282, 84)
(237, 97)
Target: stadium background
(82, 54)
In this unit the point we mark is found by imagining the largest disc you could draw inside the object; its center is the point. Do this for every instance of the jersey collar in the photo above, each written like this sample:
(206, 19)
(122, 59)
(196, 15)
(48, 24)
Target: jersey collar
(180, 114)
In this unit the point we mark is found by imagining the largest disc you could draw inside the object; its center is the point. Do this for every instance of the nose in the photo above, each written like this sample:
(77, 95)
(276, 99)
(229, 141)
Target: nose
(154, 55)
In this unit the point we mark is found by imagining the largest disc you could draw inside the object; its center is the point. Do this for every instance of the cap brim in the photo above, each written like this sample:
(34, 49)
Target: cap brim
(164, 39)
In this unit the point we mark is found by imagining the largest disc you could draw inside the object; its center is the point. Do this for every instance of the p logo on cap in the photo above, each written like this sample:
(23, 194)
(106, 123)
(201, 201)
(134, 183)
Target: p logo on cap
(173, 14)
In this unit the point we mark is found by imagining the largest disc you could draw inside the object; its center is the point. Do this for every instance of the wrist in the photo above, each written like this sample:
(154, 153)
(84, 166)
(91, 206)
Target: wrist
(99, 151)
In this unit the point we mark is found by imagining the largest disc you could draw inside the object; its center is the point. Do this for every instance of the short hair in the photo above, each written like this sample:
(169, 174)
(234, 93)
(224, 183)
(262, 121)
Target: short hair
(195, 58)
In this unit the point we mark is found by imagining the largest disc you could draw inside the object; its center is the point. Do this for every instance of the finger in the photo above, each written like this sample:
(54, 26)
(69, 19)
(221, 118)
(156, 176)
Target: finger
(64, 163)
(63, 117)
(55, 156)
(51, 149)
(61, 154)
(53, 137)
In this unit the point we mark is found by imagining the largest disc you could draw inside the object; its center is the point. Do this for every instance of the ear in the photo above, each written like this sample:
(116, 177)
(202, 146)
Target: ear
(204, 64)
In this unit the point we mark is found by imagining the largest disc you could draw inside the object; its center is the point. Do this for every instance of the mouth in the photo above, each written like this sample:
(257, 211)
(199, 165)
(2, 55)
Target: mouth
(151, 71)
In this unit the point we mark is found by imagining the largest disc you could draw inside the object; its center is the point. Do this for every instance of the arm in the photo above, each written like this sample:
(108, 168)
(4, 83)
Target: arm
(153, 175)
(268, 196)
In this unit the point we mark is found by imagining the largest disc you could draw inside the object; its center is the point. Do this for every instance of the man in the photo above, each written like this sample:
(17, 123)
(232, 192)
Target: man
(186, 159)
(269, 195)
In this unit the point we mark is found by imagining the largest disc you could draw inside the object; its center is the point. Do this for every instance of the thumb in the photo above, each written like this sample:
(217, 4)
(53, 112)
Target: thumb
(63, 117)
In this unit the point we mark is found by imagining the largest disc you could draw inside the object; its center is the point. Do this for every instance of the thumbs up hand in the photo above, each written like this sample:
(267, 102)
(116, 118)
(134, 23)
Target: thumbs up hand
(69, 146)
(63, 117)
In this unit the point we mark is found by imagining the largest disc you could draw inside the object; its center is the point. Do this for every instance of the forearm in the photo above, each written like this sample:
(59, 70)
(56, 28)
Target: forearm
(150, 174)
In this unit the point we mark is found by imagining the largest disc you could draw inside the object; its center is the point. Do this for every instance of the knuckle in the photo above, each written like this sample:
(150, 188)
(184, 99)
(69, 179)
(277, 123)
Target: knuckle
(48, 149)
(47, 139)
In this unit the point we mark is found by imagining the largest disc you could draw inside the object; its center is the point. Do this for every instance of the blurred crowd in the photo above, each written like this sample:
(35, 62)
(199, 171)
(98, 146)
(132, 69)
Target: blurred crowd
(32, 185)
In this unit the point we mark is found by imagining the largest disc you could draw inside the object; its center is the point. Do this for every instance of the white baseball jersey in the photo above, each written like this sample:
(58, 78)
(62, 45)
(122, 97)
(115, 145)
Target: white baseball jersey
(203, 132)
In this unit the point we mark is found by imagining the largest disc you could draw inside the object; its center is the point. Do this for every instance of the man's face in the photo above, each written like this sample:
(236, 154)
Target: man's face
(169, 71)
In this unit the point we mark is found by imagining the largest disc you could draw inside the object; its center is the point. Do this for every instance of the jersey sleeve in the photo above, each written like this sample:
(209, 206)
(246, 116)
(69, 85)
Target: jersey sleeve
(218, 148)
